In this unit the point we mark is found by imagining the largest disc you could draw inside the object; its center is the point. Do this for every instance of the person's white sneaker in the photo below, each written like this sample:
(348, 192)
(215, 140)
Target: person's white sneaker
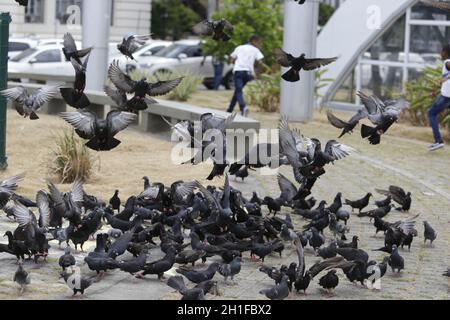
(436, 146)
(245, 112)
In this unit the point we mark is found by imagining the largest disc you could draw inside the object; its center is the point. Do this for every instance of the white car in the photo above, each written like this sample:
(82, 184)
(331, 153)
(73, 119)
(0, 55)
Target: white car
(41, 60)
(18, 45)
(185, 55)
(147, 50)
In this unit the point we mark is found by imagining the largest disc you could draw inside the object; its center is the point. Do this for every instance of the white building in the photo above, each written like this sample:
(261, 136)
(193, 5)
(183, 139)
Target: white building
(386, 44)
(53, 18)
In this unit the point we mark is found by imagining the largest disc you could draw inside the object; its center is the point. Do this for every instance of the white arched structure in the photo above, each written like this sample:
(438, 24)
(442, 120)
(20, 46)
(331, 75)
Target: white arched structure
(353, 28)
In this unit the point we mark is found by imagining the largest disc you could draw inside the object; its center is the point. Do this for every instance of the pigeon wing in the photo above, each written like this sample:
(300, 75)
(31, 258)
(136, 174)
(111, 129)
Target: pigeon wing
(283, 58)
(120, 79)
(338, 150)
(9, 185)
(44, 208)
(43, 95)
(119, 120)
(203, 28)
(312, 64)
(335, 121)
(83, 121)
(118, 96)
(288, 189)
(18, 94)
(163, 87)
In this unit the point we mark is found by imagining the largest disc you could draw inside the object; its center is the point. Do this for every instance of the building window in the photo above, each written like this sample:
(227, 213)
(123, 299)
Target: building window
(34, 12)
(69, 11)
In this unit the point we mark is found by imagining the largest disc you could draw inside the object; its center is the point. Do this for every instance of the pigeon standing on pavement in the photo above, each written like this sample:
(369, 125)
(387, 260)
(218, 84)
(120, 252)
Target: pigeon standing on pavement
(67, 259)
(428, 233)
(329, 281)
(22, 277)
(395, 260)
(115, 201)
(360, 203)
(279, 292)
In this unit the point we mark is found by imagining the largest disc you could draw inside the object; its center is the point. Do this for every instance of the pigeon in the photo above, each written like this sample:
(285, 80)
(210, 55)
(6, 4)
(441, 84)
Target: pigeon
(131, 43)
(395, 260)
(140, 88)
(242, 173)
(329, 281)
(218, 29)
(76, 282)
(279, 292)
(230, 269)
(359, 204)
(347, 127)
(67, 259)
(27, 105)
(447, 273)
(298, 63)
(189, 256)
(134, 265)
(99, 132)
(300, 1)
(381, 114)
(378, 212)
(158, 267)
(70, 49)
(352, 244)
(177, 283)
(7, 188)
(115, 201)
(384, 202)
(343, 215)
(429, 233)
(119, 97)
(328, 252)
(198, 276)
(399, 195)
(75, 96)
(22, 277)
(22, 2)
(338, 229)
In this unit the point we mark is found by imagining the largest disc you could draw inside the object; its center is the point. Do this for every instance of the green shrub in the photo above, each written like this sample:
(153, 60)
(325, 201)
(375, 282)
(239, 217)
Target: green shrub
(264, 92)
(183, 91)
(71, 159)
(421, 94)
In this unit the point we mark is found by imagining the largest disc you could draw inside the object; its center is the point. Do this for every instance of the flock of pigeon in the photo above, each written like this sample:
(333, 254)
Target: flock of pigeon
(189, 222)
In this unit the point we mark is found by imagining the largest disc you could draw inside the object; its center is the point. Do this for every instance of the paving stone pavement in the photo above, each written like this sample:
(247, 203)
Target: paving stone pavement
(396, 161)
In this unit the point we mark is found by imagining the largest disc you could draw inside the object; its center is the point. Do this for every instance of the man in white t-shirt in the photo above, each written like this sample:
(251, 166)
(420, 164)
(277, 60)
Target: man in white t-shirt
(244, 58)
(442, 102)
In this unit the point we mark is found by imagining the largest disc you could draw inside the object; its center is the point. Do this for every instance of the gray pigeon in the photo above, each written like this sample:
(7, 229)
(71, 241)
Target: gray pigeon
(67, 259)
(22, 277)
(131, 43)
(396, 261)
(429, 233)
(231, 269)
(279, 292)
(27, 105)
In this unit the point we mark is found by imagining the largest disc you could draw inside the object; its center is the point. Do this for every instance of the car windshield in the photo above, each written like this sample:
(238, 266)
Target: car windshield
(24, 54)
(171, 51)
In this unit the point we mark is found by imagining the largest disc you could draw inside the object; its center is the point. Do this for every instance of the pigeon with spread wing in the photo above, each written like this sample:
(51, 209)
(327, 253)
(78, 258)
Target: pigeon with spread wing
(296, 64)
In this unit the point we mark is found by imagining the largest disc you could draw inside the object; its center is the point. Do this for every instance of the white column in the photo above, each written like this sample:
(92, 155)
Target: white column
(300, 33)
(96, 25)
(211, 7)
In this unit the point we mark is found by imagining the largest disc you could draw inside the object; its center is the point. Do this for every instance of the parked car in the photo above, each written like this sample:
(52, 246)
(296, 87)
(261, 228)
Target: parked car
(18, 45)
(147, 50)
(186, 55)
(47, 59)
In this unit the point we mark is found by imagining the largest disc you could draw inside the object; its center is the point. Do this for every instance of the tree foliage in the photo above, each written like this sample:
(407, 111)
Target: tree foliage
(172, 19)
(261, 17)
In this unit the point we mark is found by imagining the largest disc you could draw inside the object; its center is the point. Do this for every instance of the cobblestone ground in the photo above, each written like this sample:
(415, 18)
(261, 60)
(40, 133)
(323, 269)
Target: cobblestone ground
(396, 161)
